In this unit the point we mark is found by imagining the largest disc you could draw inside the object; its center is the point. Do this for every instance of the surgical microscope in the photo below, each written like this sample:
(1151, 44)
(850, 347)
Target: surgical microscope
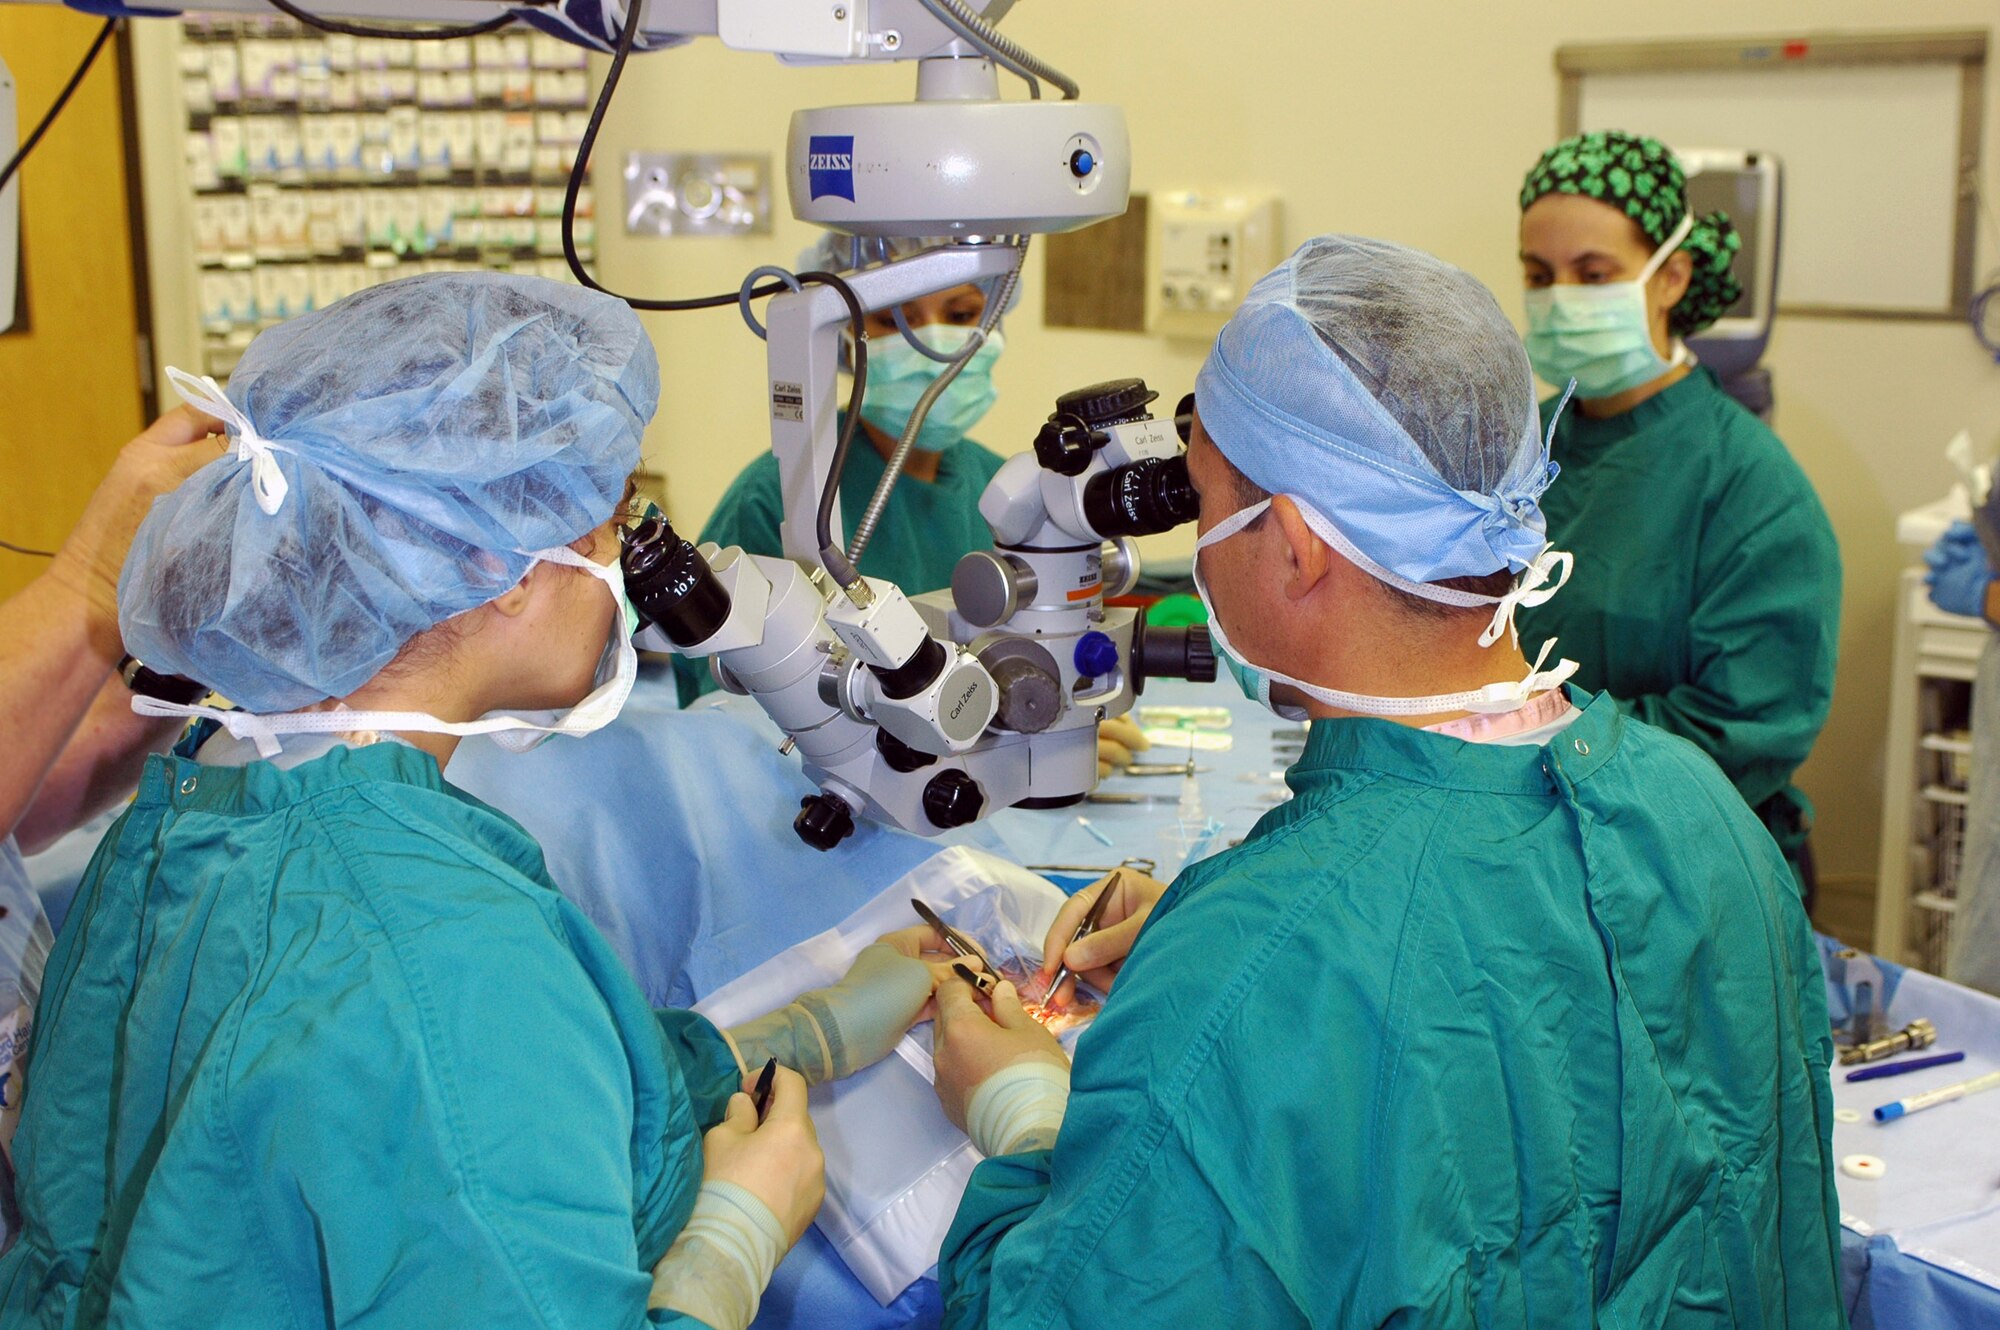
(925, 712)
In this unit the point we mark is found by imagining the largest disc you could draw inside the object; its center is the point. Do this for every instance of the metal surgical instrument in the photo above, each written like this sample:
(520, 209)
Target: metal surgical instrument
(1084, 930)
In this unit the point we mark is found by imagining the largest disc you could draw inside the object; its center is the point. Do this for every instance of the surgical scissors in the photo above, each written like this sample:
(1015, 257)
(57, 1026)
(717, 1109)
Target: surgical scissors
(954, 939)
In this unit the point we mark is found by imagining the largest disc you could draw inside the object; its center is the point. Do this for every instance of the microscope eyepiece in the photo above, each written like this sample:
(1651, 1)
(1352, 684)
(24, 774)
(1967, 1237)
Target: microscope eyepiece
(670, 584)
(1141, 498)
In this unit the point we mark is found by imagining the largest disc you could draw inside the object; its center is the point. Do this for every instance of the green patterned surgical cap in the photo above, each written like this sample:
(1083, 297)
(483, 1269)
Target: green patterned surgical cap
(1640, 177)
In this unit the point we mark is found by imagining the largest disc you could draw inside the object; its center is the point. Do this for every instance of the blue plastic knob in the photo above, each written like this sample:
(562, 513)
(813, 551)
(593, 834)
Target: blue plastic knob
(1095, 654)
(1082, 163)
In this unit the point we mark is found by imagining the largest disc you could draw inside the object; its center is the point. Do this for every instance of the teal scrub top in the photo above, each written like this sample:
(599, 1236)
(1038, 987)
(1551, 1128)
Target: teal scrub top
(20, 913)
(926, 529)
(1706, 596)
(324, 1046)
(1462, 1035)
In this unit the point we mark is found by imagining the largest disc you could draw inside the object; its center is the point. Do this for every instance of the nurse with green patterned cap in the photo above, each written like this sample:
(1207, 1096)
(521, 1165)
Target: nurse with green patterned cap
(1706, 597)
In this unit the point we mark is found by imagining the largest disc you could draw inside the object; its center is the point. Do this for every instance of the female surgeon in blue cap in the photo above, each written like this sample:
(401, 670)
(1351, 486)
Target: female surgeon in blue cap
(319, 1042)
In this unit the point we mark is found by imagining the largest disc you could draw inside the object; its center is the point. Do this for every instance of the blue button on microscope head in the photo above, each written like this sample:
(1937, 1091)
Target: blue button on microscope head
(1095, 654)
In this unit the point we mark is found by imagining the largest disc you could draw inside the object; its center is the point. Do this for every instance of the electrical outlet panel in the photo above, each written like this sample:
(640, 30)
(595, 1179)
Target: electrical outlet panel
(1207, 248)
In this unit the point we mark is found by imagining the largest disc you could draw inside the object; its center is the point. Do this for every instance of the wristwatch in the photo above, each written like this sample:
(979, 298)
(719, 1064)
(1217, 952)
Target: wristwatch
(175, 688)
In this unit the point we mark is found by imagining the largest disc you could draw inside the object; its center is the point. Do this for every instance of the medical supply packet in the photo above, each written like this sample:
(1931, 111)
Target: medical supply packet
(895, 1166)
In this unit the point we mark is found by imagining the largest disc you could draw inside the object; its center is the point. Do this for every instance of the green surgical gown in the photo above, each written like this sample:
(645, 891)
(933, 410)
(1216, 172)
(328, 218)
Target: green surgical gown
(324, 1047)
(1706, 596)
(926, 529)
(1463, 1035)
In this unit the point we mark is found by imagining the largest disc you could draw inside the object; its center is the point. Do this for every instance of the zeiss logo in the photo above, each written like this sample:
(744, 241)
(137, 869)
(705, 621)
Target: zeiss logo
(830, 166)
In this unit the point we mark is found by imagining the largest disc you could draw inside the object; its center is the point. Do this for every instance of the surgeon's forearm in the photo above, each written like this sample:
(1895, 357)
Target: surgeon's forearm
(97, 768)
(1018, 1108)
(796, 1035)
(828, 1033)
(55, 655)
(719, 1266)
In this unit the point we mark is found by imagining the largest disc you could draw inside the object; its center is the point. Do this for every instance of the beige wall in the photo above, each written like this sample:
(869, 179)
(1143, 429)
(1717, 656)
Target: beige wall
(1413, 121)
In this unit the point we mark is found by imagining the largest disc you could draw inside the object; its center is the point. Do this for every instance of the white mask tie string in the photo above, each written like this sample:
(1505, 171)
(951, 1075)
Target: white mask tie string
(267, 481)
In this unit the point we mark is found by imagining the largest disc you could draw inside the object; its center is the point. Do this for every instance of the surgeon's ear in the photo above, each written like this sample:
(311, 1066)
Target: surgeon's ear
(1672, 280)
(1309, 559)
(514, 601)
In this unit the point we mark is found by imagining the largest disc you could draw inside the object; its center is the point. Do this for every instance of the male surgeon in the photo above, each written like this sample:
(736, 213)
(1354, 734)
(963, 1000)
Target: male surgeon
(1510, 1017)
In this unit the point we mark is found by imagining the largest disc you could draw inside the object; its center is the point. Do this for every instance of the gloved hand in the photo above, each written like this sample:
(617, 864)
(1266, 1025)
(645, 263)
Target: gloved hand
(1099, 956)
(1117, 739)
(1001, 1077)
(761, 1185)
(1959, 573)
(829, 1033)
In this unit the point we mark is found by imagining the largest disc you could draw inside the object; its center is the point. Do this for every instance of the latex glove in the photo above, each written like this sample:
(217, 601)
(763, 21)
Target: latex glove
(762, 1183)
(829, 1033)
(1958, 572)
(1117, 739)
(1099, 956)
(1019, 1107)
(93, 554)
(975, 1043)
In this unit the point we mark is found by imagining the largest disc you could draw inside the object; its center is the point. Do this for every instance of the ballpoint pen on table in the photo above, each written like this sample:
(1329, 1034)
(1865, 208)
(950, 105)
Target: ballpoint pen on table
(1898, 1068)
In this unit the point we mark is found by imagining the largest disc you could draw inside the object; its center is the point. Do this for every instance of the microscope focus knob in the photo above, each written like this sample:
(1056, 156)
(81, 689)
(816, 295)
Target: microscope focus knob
(824, 821)
(1065, 445)
(899, 755)
(1030, 697)
(1096, 654)
(987, 588)
(1109, 403)
(952, 799)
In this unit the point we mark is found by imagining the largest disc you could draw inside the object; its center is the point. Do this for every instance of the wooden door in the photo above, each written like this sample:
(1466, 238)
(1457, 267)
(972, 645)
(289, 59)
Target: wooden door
(70, 390)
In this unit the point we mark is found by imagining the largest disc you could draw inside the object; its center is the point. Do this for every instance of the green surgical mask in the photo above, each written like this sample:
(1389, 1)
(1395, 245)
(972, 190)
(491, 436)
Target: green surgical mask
(899, 374)
(1599, 335)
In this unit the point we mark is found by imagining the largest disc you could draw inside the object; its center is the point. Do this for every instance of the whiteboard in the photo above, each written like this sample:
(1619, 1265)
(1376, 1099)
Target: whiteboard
(1870, 165)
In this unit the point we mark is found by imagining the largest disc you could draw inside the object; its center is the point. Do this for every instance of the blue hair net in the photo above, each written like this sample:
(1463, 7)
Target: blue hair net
(397, 453)
(1385, 390)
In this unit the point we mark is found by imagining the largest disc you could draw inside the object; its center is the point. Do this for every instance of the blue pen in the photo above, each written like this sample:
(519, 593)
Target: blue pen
(1898, 1068)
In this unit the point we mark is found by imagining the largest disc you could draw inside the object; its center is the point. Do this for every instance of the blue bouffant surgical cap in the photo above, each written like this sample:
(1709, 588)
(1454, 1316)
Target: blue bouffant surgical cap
(398, 453)
(1386, 393)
